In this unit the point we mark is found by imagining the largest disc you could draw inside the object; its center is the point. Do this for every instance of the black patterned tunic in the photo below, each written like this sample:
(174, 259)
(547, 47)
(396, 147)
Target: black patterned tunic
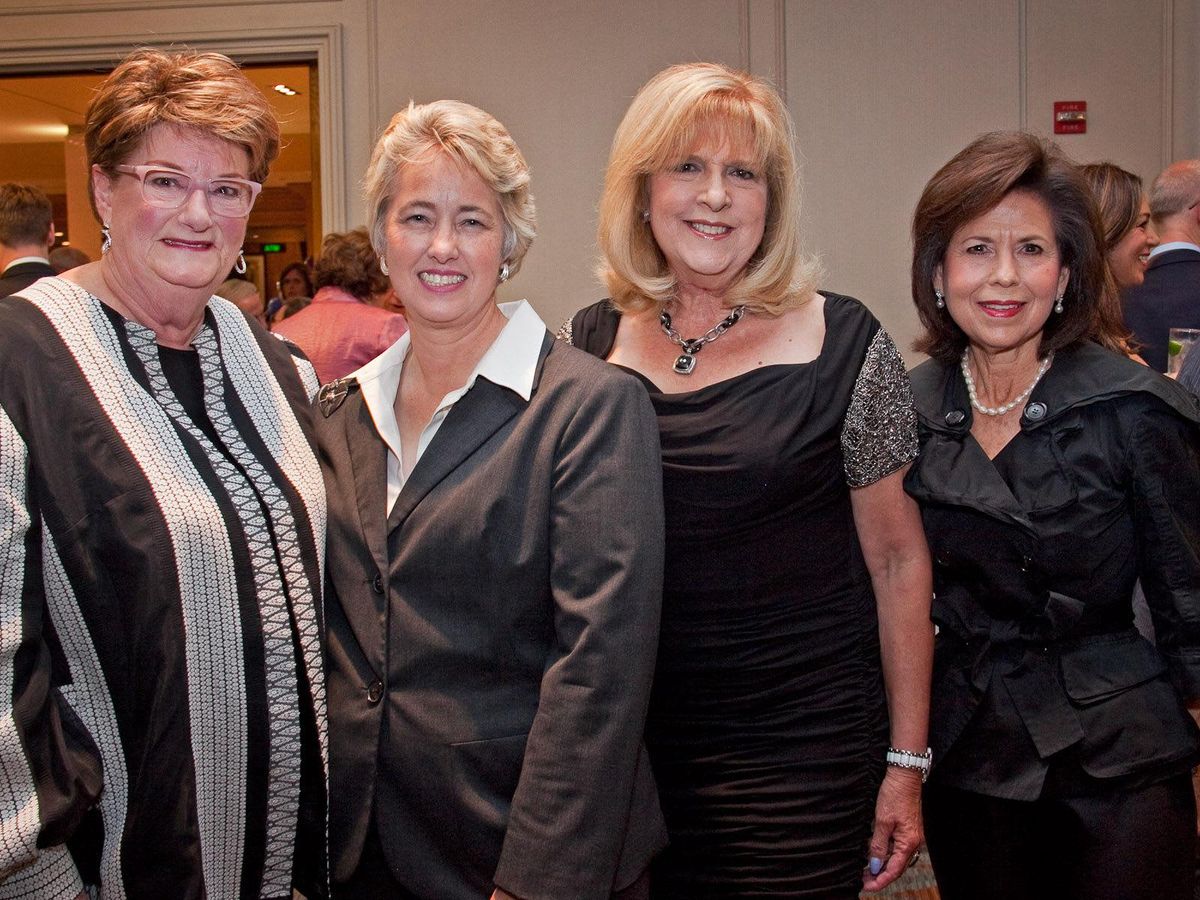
(162, 527)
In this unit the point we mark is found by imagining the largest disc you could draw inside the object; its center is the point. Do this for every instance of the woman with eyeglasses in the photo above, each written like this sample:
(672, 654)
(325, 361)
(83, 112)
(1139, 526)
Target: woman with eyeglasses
(161, 525)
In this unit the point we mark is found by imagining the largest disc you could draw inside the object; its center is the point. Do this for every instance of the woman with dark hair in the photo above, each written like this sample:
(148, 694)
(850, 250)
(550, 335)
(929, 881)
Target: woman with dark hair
(294, 283)
(1053, 474)
(1129, 233)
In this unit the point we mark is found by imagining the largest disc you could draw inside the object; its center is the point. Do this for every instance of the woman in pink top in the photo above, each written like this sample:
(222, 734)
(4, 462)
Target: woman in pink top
(344, 327)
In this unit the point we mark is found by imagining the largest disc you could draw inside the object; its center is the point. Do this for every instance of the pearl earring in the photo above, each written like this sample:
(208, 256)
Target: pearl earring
(939, 299)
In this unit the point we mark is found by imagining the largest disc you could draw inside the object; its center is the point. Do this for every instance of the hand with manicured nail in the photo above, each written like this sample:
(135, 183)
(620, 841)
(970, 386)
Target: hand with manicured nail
(898, 832)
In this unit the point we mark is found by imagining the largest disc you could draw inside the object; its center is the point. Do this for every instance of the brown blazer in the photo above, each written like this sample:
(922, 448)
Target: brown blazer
(492, 642)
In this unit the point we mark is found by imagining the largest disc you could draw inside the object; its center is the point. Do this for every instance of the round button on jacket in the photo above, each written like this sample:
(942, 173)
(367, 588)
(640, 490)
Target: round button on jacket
(955, 417)
(1035, 411)
(374, 691)
(377, 583)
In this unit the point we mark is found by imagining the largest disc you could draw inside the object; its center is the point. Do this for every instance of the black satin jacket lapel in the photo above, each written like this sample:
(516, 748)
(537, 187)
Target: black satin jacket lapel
(952, 468)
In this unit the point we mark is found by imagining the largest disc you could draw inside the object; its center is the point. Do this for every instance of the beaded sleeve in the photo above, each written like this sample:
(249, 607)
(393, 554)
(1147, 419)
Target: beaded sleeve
(880, 432)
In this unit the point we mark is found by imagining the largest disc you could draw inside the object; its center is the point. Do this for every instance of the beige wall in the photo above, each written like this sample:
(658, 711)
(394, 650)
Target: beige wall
(883, 92)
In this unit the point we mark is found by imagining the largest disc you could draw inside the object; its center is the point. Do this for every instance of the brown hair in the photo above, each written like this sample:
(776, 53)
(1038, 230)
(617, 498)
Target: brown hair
(668, 116)
(204, 91)
(25, 215)
(976, 180)
(349, 262)
(1118, 195)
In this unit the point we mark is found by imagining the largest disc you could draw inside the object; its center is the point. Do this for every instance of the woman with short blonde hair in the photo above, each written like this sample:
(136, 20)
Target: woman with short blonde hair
(476, 140)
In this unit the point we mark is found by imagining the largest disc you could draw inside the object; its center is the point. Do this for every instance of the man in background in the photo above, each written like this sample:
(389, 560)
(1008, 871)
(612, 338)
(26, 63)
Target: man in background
(65, 258)
(1170, 295)
(26, 236)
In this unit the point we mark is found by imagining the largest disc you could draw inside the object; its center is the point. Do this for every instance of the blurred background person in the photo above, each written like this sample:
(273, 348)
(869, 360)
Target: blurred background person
(26, 236)
(346, 324)
(294, 281)
(1053, 474)
(1129, 236)
(768, 727)
(1169, 296)
(245, 296)
(161, 529)
(64, 258)
(1129, 232)
(495, 561)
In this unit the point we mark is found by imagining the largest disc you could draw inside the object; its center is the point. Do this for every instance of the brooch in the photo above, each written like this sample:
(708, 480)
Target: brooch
(332, 395)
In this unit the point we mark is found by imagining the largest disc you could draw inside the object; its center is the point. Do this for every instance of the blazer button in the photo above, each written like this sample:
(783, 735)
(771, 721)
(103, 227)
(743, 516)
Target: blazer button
(955, 417)
(374, 691)
(1035, 411)
(377, 583)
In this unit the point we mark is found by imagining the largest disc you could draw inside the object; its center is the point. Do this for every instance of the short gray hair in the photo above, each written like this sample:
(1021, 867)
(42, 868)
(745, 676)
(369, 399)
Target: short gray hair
(470, 136)
(1175, 189)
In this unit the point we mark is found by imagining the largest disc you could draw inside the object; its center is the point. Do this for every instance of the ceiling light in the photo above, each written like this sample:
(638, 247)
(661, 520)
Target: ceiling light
(286, 91)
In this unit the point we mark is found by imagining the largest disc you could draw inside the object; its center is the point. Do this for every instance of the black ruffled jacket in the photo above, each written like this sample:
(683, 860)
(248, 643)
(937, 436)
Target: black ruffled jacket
(1036, 652)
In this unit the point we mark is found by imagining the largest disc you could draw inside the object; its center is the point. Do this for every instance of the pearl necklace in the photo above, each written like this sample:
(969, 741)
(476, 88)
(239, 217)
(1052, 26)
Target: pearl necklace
(1012, 404)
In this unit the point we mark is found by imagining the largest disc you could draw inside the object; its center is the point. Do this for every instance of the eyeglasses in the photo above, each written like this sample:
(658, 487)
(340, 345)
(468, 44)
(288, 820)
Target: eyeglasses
(170, 189)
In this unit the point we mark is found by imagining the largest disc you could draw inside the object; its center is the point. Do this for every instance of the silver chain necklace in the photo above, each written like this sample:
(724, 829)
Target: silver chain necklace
(685, 362)
(1012, 404)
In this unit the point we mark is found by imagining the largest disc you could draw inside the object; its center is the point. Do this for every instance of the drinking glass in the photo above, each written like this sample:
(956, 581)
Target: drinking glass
(1179, 342)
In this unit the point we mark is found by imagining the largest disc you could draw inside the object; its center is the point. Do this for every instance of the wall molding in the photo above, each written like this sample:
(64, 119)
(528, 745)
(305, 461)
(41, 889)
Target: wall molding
(1167, 56)
(764, 41)
(74, 7)
(1023, 65)
(322, 43)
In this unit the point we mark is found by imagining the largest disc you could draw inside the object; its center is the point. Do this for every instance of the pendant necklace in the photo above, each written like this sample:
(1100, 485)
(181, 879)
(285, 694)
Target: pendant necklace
(686, 361)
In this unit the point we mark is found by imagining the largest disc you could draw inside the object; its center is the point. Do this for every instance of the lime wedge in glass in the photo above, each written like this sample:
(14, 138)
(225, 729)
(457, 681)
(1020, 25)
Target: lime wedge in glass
(1173, 348)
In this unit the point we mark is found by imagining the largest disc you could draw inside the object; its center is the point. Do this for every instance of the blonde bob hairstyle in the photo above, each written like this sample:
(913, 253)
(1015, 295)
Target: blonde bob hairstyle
(185, 88)
(676, 110)
(474, 139)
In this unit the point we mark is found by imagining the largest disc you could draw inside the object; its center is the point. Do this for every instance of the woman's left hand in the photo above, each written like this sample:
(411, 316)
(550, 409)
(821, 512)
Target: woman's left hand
(898, 832)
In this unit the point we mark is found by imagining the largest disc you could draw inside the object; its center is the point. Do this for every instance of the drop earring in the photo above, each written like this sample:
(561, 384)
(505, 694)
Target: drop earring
(939, 299)
(105, 239)
(240, 265)
(1058, 307)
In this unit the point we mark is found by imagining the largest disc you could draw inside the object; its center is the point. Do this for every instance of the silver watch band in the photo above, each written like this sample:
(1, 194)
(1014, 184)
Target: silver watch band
(907, 759)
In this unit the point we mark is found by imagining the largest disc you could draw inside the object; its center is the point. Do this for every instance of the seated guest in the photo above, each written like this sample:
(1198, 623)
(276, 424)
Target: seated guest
(495, 556)
(1053, 474)
(1169, 297)
(26, 236)
(294, 281)
(345, 326)
(245, 296)
(66, 258)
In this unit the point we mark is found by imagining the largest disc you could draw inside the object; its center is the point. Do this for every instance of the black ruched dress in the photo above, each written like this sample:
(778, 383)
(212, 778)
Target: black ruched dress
(768, 725)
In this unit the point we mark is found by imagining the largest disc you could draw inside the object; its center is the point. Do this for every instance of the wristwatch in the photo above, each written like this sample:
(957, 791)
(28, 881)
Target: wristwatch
(906, 759)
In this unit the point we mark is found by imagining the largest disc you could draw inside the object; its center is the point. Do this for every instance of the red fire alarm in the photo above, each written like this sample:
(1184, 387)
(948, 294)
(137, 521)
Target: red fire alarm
(1070, 117)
